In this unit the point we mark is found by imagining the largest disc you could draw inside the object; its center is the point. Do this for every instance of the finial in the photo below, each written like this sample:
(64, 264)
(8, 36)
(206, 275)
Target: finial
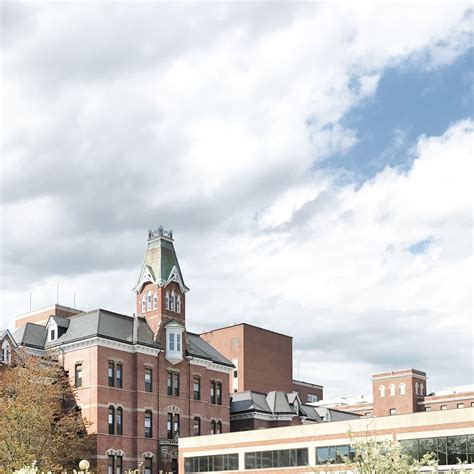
(160, 232)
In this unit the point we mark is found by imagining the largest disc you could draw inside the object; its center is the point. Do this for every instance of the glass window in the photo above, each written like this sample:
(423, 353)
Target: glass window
(170, 383)
(119, 375)
(410, 447)
(111, 420)
(176, 385)
(119, 418)
(148, 380)
(111, 374)
(393, 411)
(460, 405)
(148, 466)
(213, 427)
(219, 427)
(148, 424)
(155, 301)
(457, 449)
(171, 341)
(176, 424)
(197, 388)
(148, 301)
(167, 300)
(78, 375)
(427, 445)
(110, 464)
(342, 452)
(178, 342)
(213, 392)
(443, 407)
(427, 408)
(442, 451)
(219, 393)
(196, 426)
(118, 465)
(173, 299)
(169, 426)
(470, 448)
(178, 304)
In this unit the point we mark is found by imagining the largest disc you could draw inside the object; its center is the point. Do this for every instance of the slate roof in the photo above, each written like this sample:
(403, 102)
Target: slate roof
(199, 348)
(61, 322)
(330, 414)
(31, 335)
(160, 258)
(106, 324)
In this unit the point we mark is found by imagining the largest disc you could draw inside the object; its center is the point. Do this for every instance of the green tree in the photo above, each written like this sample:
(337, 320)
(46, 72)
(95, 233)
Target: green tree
(39, 419)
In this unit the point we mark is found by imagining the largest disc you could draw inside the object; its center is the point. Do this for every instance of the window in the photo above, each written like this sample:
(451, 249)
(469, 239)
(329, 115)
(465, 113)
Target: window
(118, 465)
(219, 462)
(143, 304)
(155, 301)
(219, 393)
(178, 304)
(173, 425)
(173, 301)
(391, 389)
(167, 300)
(178, 342)
(443, 407)
(276, 459)
(6, 353)
(78, 375)
(148, 301)
(219, 427)
(402, 388)
(417, 388)
(119, 375)
(52, 335)
(119, 420)
(428, 408)
(148, 380)
(422, 389)
(111, 464)
(173, 384)
(171, 341)
(213, 427)
(213, 393)
(460, 405)
(197, 388)
(393, 411)
(111, 374)
(334, 454)
(235, 374)
(382, 390)
(111, 420)
(174, 339)
(148, 466)
(148, 424)
(196, 426)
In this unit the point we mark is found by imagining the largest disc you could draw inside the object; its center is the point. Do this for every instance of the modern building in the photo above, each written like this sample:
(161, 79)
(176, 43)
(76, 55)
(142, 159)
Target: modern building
(403, 391)
(253, 350)
(142, 381)
(320, 447)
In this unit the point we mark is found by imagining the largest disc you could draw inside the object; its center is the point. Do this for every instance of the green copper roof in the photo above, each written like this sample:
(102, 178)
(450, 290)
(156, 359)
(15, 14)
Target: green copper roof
(160, 259)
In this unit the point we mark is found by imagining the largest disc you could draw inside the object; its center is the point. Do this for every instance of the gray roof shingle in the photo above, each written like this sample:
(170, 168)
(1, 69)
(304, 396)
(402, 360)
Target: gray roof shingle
(199, 348)
(31, 335)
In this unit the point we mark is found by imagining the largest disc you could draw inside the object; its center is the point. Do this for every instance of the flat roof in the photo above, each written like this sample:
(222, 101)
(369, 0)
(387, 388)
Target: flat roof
(245, 324)
(41, 310)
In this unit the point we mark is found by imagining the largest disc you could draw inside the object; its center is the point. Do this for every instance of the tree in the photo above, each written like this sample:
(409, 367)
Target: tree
(376, 457)
(39, 419)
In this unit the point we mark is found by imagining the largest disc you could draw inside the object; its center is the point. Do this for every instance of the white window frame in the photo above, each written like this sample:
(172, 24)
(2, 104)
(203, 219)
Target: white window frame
(382, 391)
(174, 342)
(391, 389)
(6, 352)
(178, 304)
(402, 388)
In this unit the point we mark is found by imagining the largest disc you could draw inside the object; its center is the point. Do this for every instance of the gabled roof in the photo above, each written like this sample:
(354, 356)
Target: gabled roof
(160, 265)
(106, 324)
(330, 414)
(278, 402)
(60, 321)
(200, 349)
(7, 334)
(31, 335)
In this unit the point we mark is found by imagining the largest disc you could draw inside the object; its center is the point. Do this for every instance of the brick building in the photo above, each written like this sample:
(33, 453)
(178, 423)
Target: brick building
(403, 391)
(253, 350)
(143, 380)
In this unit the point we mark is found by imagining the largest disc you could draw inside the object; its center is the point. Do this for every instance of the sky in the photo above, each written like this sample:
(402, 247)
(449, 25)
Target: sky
(313, 159)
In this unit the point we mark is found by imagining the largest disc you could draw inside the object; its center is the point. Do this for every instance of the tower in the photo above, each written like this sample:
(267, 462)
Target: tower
(160, 290)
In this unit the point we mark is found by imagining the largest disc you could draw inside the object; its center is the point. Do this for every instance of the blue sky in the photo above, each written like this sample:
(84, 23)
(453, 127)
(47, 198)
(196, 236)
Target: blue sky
(411, 100)
(234, 124)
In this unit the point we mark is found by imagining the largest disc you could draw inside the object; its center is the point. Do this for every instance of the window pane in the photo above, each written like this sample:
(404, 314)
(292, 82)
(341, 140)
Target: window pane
(410, 447)
(428, 445)
(284, 458)
(250, 461)
(119, 375)
(443, 451)
(457, 449)
(176, 385)
(111, 374)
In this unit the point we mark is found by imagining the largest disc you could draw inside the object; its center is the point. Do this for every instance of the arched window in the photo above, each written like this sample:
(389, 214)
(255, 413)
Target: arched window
(417, 388)
(111, 420)
(6, 352)
(213, 427)
(178, 304)
(391, 388)
(219, 427)
(148, 424)
(167, 300)
(155, 301)
(173, 301)
(143, 304)
(382, 390)
(422, 389)
(148, 300)
(402, 388)
(119, 420)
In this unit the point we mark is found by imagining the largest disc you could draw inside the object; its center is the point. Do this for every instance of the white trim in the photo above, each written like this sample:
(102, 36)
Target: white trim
(398, 376)
(174, 276)
(211, 365)
(261, 416)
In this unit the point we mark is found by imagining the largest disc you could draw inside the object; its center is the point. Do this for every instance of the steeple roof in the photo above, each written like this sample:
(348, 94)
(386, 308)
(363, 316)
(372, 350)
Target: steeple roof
(160, 265)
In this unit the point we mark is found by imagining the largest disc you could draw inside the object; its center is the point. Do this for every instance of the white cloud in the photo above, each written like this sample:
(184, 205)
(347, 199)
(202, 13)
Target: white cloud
(212, 119)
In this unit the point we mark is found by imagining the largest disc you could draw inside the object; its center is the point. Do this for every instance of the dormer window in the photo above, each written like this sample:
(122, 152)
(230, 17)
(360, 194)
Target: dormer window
(6, 352)
(52, 330)
(174, 346)
(148, 301)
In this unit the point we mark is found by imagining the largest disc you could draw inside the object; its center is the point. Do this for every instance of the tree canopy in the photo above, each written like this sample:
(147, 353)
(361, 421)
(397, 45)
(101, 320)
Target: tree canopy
(39, 419)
